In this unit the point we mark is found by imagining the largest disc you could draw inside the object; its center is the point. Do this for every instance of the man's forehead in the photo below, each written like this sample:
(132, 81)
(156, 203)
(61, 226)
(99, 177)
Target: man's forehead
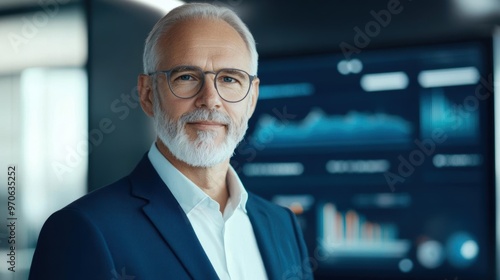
(215, 30)
(195, 38)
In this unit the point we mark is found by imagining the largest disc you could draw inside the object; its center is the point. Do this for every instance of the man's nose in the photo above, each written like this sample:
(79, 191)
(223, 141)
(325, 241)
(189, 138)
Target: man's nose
(208, 96)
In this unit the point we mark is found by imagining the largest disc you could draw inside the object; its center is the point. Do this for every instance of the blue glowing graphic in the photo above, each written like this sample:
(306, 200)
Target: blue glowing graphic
(462, 249)
(459, 122)
(318, 129)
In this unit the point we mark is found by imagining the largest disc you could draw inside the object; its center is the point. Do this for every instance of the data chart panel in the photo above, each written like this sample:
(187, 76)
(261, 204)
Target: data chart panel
(386, 159)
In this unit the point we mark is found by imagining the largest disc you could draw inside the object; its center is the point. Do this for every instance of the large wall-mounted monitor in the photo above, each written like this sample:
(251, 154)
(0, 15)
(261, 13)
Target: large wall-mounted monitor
(387, 158)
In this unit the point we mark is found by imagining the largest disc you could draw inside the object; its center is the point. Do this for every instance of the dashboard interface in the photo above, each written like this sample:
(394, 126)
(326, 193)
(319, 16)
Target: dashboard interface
(386, 159)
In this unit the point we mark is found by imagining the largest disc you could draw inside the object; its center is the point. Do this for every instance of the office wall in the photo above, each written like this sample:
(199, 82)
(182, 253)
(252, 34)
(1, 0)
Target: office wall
(119, 131)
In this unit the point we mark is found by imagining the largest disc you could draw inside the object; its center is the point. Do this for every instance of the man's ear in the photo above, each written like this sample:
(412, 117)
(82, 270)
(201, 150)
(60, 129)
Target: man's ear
(145, 89)
(254, 92)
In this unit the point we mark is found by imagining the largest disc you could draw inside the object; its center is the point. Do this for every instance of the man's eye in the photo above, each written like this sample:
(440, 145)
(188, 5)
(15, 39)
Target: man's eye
(227, 79)
(185, 77)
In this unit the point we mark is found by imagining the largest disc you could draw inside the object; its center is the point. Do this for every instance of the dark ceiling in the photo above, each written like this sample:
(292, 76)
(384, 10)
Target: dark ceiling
(283, 27)
(286, 27)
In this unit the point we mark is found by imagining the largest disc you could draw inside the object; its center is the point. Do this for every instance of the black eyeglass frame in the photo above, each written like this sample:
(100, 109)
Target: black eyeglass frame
(168, 72)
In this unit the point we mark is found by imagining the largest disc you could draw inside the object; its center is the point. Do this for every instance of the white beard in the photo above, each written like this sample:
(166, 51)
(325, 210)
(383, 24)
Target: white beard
(202, 151)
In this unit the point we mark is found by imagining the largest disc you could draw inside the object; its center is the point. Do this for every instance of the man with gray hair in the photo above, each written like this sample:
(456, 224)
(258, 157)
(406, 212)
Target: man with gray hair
(183, 213)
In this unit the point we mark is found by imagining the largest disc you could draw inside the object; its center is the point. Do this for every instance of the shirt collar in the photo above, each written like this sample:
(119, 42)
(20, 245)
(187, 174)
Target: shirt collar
(237, 193)
(188, 194)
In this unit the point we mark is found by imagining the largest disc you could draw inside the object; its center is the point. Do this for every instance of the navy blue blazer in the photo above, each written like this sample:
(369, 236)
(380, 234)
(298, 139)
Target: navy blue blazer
(135, 229)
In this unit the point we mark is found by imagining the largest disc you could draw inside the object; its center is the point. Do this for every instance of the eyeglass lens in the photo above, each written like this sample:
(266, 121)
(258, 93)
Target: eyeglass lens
(232, 84)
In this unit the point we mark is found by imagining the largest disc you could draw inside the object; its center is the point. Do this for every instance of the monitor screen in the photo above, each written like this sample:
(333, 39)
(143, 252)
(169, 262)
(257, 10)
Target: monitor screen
(385, 157)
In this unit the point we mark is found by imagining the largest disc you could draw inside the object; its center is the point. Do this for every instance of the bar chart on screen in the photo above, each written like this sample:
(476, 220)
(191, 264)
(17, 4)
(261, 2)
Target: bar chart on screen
(348, 234)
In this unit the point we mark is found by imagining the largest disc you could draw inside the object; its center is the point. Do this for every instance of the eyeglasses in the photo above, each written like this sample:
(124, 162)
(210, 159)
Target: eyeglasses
(185, 82)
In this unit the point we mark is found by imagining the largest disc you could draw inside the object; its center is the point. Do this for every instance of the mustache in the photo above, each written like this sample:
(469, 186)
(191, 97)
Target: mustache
(205, 115)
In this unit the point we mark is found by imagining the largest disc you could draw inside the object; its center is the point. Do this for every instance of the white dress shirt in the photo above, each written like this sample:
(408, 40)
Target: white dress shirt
(228, 239)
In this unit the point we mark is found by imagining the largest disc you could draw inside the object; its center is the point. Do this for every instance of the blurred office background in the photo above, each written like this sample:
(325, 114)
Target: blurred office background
(391, 171)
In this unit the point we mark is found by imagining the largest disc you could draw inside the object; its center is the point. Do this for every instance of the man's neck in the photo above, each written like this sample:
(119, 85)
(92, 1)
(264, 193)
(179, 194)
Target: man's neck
(211, 180)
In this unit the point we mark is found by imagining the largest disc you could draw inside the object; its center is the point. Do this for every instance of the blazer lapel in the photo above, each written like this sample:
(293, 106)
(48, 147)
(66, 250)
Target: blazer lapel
(170, 220)
(266, 239)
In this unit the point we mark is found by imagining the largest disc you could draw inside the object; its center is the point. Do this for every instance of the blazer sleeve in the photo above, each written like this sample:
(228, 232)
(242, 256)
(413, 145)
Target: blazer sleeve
(70, 246)
(307, 272)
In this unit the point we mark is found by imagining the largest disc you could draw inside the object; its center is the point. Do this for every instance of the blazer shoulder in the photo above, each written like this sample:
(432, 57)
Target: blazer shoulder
(277, 212)
(70, 245)
(142, 179)
(261, 203)
(105, 198)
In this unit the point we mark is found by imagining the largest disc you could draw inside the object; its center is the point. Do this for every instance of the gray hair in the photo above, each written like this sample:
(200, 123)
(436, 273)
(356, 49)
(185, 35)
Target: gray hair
(196, 11)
